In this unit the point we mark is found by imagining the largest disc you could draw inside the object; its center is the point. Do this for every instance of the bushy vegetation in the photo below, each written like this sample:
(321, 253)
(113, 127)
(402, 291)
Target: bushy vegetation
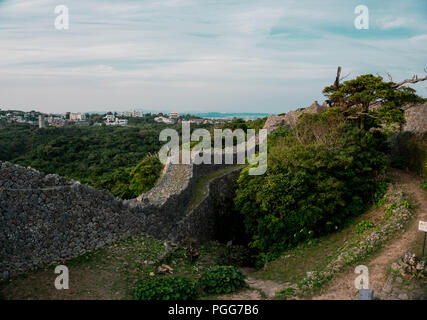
(355, 96)
(318, 176)
(166, 288)
(221, 279)
(363, 226)
(410, 152)
(380, 191)
(325, 171)
(129, 183)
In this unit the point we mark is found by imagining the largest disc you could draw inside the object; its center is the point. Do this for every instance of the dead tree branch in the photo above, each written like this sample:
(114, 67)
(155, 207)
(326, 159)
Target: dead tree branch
(337, 79)
(414, 79)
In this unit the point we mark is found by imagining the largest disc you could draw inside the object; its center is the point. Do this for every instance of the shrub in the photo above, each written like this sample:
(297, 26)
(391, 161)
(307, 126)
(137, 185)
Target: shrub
(145, 175)
(379, 193)
(363, 226)
(222, 279)
(313, 184)
(168, 288)
(424, 185)
(389, 211)
(410, 151)
(398, 162)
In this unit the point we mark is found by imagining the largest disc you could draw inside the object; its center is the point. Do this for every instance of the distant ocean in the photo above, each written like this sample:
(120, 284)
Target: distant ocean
(208, 115)
(220, 115)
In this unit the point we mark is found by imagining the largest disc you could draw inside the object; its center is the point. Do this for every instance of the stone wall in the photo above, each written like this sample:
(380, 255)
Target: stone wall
(416, 118)
(45, 219)
(200, 223)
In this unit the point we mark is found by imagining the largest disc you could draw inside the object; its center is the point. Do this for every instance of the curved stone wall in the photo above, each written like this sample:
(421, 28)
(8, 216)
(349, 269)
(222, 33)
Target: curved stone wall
(45, 219)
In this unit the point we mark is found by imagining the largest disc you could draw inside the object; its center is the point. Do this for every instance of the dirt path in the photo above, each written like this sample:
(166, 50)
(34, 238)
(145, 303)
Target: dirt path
(258, 289)
(342, 286)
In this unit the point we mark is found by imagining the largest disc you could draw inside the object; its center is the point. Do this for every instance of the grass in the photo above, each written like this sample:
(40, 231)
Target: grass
(200, 189)
(111, 272)
(315, 255)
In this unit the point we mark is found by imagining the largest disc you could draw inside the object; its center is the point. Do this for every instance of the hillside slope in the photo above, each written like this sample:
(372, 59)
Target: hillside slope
(342, 287)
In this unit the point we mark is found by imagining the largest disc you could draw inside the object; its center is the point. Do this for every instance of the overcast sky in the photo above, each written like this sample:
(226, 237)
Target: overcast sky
(199, 55)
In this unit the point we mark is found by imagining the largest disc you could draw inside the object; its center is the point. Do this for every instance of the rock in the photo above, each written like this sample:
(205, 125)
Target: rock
(395, 267)
(420, 265)
(164, 269)
(388, 285)
(403, 296)
(399, 280)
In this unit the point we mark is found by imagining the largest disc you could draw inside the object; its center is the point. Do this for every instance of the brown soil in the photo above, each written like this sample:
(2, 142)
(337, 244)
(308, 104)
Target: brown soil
(342, 286)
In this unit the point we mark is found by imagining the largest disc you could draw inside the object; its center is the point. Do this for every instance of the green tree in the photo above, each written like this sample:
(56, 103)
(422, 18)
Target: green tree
(145, 175)
(316, 180)
(355, 96)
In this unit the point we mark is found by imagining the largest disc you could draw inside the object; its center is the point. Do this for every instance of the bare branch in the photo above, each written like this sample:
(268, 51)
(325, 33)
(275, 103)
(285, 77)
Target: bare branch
(342, 78)
(390, 78)
(414, 79)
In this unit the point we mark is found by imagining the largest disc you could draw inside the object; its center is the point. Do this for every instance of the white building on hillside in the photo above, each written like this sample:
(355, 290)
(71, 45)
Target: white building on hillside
(111, 120)
(164, 120)
(77, 116)
(174, 115)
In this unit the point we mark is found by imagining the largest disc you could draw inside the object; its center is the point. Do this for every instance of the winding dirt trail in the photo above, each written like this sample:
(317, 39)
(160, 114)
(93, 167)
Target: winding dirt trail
(342, 287)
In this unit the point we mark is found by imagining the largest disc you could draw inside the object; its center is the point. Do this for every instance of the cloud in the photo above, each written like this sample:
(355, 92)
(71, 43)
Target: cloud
(392, 23)
(273, 55)
(421, 37)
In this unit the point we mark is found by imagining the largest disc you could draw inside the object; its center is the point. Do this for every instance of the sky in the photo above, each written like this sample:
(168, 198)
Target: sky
(200, 55)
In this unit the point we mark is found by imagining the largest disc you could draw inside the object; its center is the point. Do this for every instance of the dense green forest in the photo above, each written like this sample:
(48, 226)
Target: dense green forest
(88, 154)
(119, 159)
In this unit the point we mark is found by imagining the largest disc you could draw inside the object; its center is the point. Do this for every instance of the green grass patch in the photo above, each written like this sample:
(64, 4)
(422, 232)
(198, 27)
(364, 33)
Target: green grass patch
(200, 189)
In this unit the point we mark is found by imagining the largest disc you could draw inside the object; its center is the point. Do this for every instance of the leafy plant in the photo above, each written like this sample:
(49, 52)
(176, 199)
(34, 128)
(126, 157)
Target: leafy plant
(424, 185)
(319, 175)
(363, 226)
(379, 193)
(389, 211)
(405, 204)
(355, 96)
(398, 162)
(145, 175)
(222, 279)
(168, 288)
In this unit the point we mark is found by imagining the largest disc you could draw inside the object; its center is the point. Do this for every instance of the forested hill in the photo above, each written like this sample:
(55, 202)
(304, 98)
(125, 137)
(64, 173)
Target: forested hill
(99, 156)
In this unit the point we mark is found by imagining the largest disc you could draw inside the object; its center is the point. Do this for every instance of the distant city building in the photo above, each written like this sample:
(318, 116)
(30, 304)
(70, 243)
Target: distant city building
(164, 120)
(134, 114)
(41, 121)
(55, 121)
(126, 114)
(174, 115)
(111, 120)
(77, 116)
(197, 121)
(138, 114)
